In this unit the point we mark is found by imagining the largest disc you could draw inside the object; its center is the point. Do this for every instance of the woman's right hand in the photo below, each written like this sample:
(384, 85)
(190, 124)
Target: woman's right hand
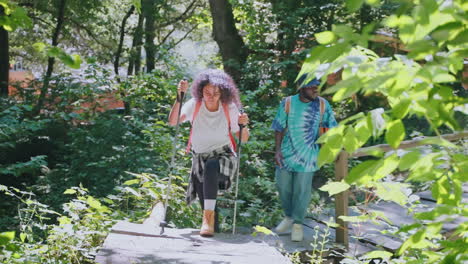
(182, 87)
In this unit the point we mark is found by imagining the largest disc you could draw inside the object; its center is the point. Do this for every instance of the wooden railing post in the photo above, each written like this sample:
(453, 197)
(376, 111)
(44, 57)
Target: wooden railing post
(341, 200)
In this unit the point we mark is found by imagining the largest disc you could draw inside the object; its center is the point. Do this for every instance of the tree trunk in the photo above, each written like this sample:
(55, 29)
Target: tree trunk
(4, 58)
(51, 60)
(119, 52)
(231, 45)
(121, 40)
(134, 64)
(148, 10)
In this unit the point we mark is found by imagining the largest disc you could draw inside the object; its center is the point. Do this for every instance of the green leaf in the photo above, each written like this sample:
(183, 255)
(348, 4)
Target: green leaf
(385, 255)
(361, 173)
(395, 133)
(23, 237)
(416, 241)
(443, 78)
(408, 160)
(391, 191)
(400, 110)
(447, 192)
(93, 203)
(69, 191)
(363, 131)
(6, 237)
(39, 46)
(373, 2)
(263, 230)
(327, 155)
(325, 37)
(354, 5)
(385, 167)
(332, 133)
(133, 191)
(53, 52)
(407, 228)
(355, 219)
(137, 4)
(131, 182)
(350, 140)
(346, 88)
(335, 187)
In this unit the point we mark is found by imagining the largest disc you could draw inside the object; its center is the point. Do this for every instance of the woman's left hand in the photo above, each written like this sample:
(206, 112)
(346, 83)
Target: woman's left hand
(243, 119)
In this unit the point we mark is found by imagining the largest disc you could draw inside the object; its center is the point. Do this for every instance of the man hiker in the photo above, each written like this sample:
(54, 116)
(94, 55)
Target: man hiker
(299, 122)
(214, 114)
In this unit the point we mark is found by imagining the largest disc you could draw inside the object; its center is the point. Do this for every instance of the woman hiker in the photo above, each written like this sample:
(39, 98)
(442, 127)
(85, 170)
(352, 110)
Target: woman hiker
(214, 114)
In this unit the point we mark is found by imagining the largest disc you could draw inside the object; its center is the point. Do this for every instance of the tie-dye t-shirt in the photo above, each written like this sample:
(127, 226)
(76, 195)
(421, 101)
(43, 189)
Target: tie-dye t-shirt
(298, 147)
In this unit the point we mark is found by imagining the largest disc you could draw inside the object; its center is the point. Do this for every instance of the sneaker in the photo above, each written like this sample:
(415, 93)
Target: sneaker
(297, 233)
(285, 225)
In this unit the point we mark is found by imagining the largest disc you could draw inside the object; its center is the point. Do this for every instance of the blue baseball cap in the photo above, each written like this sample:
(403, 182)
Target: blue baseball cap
(313, 82)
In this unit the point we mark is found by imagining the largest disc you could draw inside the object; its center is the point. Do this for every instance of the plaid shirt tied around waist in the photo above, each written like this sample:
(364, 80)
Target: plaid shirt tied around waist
(227, 167)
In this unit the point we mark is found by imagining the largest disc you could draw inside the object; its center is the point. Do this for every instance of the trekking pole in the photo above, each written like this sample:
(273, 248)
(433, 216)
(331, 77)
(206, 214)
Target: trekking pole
(237, 175)
(163, 223)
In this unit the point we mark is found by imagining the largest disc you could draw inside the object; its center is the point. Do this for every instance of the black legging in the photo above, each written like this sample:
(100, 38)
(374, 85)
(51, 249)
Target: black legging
(209, 188)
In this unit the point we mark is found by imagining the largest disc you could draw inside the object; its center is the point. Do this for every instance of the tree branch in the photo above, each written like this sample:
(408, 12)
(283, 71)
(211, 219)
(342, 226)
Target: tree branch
(183, 16)
(90, 33)
(167, 36)
(184, 37)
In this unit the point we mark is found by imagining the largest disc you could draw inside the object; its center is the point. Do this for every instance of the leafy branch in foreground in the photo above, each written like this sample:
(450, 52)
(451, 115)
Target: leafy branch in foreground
(419, 83)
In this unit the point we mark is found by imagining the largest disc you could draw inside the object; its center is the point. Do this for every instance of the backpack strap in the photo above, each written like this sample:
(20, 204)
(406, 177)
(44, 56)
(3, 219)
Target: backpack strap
(287, 108)
(195, 113)
(322, 111)
(228, 118)
(287, 104)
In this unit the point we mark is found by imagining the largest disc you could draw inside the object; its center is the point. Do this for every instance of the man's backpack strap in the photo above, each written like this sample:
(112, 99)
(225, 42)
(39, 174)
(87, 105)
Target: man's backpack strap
(322, 112)
(287, 105)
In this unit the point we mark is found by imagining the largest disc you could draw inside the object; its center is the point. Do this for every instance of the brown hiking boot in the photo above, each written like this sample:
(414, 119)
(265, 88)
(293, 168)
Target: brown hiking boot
(207, 229)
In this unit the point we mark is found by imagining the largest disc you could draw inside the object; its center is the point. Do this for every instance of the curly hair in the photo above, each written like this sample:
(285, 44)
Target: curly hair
(220, 79)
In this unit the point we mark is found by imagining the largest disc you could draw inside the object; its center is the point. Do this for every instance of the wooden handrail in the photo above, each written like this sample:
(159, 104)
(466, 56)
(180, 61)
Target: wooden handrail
(341, 171)
(362, 152)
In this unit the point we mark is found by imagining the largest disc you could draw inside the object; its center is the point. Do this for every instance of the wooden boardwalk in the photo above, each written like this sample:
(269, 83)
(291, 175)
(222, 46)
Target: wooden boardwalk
(141, 243)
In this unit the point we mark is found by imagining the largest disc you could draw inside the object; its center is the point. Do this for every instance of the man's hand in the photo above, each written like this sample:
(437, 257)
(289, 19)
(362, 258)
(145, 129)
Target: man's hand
(279, 158)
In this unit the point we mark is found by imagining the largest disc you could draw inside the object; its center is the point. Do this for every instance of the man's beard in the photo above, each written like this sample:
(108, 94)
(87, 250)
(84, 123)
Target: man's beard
(306, 96)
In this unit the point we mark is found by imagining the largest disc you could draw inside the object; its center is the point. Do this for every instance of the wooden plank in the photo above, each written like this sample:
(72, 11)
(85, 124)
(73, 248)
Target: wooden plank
(138, 243)
(312, 229)
(368, 232)
(342, 200)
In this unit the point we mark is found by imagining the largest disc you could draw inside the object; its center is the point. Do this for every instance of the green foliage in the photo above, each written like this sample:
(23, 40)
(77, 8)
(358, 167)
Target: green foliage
(13, 16)
(413, 89)
(74, 239)
(70, 61)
